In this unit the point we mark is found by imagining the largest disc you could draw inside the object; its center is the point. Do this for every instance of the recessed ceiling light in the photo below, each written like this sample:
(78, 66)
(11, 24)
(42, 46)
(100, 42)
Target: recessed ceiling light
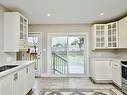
(101, 14)
(48, 14)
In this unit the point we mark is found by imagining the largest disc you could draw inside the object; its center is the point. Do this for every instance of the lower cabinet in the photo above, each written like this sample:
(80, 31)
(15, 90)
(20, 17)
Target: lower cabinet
(101, 71)
(6, 85)
(19, 82)
(116, 73)
(29, 78)
(106, 71)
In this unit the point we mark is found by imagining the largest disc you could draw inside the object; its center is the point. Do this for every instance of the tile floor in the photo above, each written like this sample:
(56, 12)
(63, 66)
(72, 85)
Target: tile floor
(69, 83)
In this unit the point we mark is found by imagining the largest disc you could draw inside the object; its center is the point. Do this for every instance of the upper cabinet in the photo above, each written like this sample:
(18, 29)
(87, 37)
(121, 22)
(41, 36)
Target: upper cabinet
(109, 36)
(112, 35)
(23, 33)
(15, 31)
(99, 36)
(105, 36)
(123, 33)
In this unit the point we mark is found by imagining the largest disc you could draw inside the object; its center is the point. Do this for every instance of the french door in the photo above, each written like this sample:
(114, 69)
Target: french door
(34, 51)
(68, 54)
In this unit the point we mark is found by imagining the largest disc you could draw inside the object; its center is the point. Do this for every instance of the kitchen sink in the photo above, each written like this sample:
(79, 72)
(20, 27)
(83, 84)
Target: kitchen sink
(6, 67)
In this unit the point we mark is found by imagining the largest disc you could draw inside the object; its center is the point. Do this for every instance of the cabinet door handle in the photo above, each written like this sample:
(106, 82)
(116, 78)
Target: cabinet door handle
(15, 76)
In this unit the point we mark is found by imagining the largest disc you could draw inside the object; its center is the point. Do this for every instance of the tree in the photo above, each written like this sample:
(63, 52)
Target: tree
(79, 42)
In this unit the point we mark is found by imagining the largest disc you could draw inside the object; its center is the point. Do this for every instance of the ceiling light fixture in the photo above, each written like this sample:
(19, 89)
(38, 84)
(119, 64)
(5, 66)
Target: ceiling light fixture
(48, 14)
(101, 14)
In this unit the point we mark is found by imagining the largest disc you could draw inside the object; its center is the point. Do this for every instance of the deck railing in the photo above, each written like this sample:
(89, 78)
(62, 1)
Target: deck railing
(59, 64)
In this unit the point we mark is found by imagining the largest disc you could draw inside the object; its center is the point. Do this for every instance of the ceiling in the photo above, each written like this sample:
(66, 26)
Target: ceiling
(67, 11)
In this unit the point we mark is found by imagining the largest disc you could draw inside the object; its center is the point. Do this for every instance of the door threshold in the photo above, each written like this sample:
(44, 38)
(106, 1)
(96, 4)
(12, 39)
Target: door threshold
(68, 76)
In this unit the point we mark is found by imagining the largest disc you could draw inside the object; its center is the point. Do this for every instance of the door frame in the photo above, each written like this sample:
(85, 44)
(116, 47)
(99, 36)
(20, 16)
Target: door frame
(38, 73)
(86, 66)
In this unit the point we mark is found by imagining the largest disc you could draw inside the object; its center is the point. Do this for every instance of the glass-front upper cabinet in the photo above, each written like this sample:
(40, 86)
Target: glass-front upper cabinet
(112, 35)
(15, 31)
(21, 28)
(100, 35)
(23, 32)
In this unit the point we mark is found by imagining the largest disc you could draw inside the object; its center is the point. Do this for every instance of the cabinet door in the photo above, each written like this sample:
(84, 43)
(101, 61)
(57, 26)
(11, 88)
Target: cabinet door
(123, 33)
(29, 77)
(103, 70)
(116, 73)
(7, 85)
(19, 82)
(1, 32)
(11, 31)
(100, 35)
(112, 35)
(23, 33)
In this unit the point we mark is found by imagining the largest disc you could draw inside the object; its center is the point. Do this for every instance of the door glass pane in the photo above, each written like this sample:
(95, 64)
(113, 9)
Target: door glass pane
(97, 40)
(33, 50)
(97, 44)
(114, 25)
(59, 55)
(67, 55)
(98, 33)
(76, 55)
(21, 35)
(109, 44)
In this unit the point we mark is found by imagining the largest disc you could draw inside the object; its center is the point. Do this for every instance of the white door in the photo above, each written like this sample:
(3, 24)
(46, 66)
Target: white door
(35, 48)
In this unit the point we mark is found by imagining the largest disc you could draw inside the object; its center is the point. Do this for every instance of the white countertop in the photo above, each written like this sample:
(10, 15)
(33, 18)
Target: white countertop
(21, 64)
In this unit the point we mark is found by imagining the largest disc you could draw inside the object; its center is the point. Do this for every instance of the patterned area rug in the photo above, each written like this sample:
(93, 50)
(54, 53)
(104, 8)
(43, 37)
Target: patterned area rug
(76, 92)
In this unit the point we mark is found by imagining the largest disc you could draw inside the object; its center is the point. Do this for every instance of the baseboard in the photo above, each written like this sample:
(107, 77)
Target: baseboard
(100, 81)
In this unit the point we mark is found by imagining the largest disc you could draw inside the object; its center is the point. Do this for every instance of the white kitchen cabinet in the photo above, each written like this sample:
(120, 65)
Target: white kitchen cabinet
(1, 32)
(101, 71)
(14, 32)
(99, 36)
(116, 73)
(104, 36)
(18, 82)
(23, 32)
(112, 35)
(123, 33)
(6, 85)
(29, 78)
(13, 84)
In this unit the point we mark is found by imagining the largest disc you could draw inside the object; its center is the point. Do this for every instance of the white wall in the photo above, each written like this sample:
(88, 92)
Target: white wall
(6, 57)
(59, 28)
(55, 28)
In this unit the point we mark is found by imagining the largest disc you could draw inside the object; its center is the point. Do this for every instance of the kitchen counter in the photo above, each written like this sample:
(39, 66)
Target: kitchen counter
(21, 64)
